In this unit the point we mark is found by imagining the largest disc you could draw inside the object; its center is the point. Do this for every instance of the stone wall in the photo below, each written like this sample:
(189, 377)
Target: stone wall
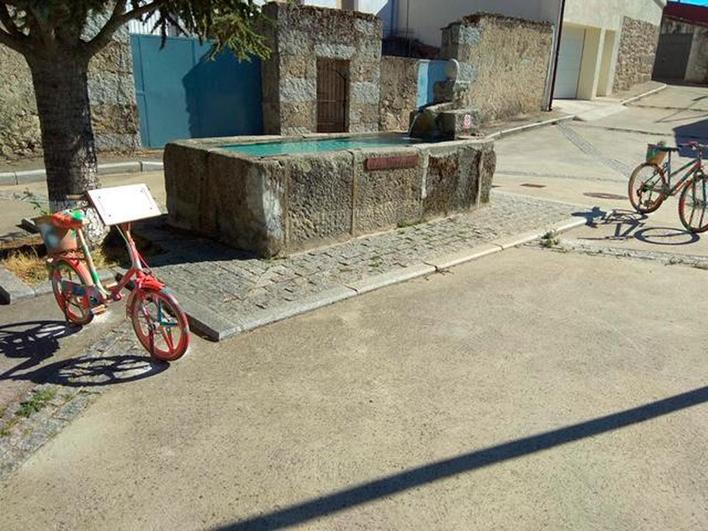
(399, 92)
(112, 93)
(504, 63)
(298, 36)
(637, 50)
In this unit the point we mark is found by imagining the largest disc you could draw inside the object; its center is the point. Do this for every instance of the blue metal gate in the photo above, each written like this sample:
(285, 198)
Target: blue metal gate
(183, 94)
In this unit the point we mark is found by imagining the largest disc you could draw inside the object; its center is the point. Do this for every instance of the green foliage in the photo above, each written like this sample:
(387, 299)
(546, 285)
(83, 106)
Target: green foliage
(36, 402)
(40, 26)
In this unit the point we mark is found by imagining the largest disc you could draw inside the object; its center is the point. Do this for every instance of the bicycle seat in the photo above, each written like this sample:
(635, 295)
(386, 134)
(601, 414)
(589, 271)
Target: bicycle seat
(68, 219)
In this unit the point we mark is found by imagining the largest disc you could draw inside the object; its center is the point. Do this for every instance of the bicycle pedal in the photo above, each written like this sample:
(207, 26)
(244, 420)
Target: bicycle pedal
(98, 310)
(110, 285)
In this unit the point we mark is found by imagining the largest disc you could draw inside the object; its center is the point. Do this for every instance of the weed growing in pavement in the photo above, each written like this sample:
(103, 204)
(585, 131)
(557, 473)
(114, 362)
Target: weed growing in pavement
(550, 239)
(36, 402)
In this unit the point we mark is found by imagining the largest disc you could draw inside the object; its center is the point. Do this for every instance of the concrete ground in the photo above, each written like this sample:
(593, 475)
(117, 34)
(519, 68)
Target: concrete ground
(534, 389)
(531, 389)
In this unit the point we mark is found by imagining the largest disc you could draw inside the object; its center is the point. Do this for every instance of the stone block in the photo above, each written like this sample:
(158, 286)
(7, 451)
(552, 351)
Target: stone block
(298, 66)
(185, 181)
(334, 51)
(297, 90)
(487, 167)
(319, 201)
(365, 92)
(302, 114)
(386, 198)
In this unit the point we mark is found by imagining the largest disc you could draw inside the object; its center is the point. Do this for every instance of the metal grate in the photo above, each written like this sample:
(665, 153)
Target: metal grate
(332, 95)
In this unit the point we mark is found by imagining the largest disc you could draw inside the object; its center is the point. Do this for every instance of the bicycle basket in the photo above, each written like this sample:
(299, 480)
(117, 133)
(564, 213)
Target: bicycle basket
(655, 155)
(57, 240)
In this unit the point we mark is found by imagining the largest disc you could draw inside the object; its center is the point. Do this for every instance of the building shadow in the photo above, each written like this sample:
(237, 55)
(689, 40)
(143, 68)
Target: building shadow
(694, 132)
(417, 477)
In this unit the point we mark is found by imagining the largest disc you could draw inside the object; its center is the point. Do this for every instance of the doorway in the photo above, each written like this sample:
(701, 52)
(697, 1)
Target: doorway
(332, 95)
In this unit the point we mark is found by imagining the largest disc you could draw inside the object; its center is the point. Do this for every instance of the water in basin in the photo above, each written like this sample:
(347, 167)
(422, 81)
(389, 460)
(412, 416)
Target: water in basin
(318, 145)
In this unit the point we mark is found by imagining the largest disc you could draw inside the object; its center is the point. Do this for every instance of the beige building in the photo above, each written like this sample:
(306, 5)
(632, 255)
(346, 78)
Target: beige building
(606, 46)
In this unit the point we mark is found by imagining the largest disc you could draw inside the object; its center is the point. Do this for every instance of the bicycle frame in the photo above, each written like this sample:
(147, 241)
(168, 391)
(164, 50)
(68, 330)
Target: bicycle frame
(101, 295)
(692, 167)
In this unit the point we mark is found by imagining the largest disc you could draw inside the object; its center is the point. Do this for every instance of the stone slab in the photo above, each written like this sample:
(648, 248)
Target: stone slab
(119, 167)
(8, 178)
(520, 239)
(207, 323)
(393, 277)
(30, 176)
(449, 260)
(292, 309)
(149, 165)
(12, 289)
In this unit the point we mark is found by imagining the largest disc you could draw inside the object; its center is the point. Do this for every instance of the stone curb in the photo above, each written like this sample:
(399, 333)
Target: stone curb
(372, 283)
(207, 323)
(12, 289)
(32, 176)
(526, 127)
(644, 94)
(217, 328)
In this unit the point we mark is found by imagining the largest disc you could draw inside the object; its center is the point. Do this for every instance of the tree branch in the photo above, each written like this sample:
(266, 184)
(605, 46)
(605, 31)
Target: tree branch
(7, 22)
(118, 18)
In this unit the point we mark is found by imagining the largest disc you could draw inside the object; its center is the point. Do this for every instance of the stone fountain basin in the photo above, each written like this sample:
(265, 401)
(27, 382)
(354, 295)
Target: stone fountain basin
(281, 204)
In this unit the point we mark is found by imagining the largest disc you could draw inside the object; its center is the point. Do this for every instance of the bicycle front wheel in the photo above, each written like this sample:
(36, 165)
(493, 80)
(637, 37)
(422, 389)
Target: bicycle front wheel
(692, 204)
(160, 324)
(646, 188)
(70, 282)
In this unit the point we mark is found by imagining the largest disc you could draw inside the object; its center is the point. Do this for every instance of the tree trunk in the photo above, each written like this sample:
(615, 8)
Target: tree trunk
(61, 90)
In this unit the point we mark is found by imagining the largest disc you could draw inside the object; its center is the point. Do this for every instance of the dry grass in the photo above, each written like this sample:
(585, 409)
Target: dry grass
(27, 265)
(31, 268)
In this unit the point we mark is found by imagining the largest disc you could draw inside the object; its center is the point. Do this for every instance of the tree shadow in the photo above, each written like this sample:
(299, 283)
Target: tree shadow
(464, 463)
(223, 96)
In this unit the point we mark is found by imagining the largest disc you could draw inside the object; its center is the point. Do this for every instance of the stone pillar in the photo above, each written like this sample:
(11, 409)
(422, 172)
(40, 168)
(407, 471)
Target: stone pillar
(590, 63)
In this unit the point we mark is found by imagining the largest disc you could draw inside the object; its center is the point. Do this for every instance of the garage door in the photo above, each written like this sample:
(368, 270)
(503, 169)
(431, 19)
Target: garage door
(569, 57)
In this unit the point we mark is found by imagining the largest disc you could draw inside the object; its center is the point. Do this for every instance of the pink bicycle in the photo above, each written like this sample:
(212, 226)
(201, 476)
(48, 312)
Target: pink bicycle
(157, 318)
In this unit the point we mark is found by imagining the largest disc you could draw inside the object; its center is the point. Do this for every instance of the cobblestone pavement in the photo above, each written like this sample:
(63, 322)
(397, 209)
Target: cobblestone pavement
(233, 285)
(68, 387)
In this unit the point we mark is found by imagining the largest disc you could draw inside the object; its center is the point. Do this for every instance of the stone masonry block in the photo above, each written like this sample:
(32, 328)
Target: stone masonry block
(386, 198)
(319, 204)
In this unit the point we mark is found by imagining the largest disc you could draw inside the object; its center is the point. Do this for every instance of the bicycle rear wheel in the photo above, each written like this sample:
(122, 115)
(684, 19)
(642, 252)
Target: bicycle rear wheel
(160, 324)
(68, 274)
(646, 188)
(692, 204)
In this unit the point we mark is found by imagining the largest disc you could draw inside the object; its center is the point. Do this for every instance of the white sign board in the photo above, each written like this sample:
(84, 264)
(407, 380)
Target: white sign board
(121, 204)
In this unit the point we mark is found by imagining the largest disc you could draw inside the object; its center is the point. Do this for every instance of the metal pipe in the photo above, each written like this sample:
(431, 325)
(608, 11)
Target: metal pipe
(557, 54)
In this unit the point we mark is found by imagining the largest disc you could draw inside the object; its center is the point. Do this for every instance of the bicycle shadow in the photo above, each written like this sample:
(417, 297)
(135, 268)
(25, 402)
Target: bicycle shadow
(34, 340)
(87, 372)
(629, 225)
(38, 341)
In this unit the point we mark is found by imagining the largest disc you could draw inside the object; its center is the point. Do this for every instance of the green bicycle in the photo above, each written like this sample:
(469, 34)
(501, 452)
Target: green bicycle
(651, 183)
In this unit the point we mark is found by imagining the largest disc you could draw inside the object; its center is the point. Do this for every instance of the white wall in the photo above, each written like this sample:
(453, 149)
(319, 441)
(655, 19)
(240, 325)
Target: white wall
(427, 17)
(608, 14)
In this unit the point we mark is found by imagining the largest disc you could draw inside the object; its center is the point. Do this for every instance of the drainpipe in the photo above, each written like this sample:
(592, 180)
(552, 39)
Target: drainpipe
(556, 54)
(392, 20)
